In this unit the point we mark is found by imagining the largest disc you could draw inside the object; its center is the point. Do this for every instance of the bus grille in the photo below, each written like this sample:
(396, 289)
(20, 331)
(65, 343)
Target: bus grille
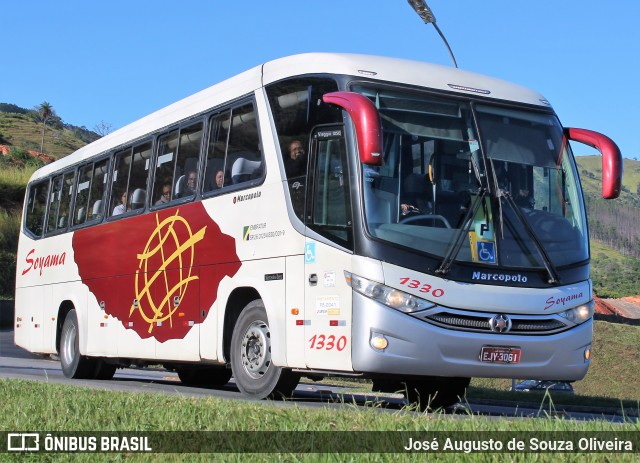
(522, 325)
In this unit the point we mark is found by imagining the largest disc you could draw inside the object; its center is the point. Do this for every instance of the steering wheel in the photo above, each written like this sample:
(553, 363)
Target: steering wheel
(415, 218)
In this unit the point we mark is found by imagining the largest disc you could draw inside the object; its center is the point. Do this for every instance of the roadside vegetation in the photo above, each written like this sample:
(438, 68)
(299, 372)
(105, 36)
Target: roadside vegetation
(38, 406)
(614, 366)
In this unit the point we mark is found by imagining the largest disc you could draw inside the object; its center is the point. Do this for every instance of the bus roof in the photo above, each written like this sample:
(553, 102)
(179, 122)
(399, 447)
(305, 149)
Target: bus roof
(401, 71)
(360, 66)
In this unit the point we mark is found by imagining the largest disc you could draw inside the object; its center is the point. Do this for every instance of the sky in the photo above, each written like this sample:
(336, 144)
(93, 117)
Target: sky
(117, 61)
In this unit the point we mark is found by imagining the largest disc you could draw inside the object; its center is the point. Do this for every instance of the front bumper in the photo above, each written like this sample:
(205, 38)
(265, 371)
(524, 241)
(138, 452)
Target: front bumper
(416, 347)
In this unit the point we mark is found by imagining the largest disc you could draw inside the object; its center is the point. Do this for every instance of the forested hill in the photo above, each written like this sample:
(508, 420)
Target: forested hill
(614, 229)
(615, 223)
(21, 130)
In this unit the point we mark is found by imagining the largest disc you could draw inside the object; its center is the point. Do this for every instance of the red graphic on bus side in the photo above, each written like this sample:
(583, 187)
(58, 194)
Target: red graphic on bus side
(157, 273)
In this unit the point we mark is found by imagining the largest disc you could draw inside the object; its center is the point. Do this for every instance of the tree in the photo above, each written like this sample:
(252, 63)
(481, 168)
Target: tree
(45, 112)
(103, 128)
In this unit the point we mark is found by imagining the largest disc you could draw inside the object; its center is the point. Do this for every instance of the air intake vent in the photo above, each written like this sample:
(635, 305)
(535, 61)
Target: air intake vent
(473, 321)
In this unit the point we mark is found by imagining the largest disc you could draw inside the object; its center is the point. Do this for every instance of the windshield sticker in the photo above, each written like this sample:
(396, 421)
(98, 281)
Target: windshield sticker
(485, 252)
(481, 237)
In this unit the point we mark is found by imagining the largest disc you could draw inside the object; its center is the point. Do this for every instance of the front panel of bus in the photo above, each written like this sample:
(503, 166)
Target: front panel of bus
(465, 247)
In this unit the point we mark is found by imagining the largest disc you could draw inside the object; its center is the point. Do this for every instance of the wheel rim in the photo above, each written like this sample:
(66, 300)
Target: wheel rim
(256, 349)
(69, 345)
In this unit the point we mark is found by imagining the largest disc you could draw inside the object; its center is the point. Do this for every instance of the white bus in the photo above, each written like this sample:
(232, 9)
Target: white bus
(321, 214)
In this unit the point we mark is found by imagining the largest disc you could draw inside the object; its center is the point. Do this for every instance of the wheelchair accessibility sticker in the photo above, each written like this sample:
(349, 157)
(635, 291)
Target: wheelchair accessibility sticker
(310, 253)
(486, 252)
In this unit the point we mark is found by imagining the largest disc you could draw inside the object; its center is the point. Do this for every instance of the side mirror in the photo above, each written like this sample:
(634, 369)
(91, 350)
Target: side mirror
(612, 166)
(367, 123)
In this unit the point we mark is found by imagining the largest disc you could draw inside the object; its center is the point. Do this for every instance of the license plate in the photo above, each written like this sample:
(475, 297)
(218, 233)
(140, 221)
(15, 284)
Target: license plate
(500, 354)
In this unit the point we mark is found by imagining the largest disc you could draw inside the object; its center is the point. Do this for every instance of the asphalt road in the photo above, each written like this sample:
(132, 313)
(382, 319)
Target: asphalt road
(15, 362)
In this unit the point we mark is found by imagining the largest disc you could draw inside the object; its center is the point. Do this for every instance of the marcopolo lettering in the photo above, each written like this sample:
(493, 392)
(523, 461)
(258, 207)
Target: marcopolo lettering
(505, 277)
(247, 197)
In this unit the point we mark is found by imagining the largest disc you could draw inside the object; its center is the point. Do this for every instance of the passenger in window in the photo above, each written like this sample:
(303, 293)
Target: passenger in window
(219, 179)
(296, 163)
(165, 196)
(190, 184)
(122, 207)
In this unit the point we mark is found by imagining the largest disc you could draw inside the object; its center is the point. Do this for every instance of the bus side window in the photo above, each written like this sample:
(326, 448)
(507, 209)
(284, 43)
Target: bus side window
(36, 207)
(243, 148)
(330, 210)
(139, 176)
(185, 173)
(165, 162)
(82, 194)
(234, 155)
(95, 207)
(119, 194)
(54, 203)
(216, 175)
(65, 200)
(130, 175)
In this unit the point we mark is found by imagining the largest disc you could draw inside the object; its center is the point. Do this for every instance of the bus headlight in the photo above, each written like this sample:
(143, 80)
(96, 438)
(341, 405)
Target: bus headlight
(579, 314)
(390, 297)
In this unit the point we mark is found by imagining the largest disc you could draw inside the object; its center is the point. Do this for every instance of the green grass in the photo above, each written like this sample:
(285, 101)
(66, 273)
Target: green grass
(50, 407)
(610, 381)
(35, 406)
(614, 275)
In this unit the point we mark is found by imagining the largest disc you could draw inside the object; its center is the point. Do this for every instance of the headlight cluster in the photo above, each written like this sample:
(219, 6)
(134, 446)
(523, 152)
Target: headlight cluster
(390, 297)
(579, 314)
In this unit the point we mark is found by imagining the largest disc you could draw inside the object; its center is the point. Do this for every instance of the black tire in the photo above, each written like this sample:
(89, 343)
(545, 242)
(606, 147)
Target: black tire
(255, 375)
(105, 371)
(434, 393)
(73, 364)
(204, 376)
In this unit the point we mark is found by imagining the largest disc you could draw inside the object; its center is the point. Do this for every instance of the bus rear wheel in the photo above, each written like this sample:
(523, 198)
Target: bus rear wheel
(254, 372)
(435, 392)
(73, 364)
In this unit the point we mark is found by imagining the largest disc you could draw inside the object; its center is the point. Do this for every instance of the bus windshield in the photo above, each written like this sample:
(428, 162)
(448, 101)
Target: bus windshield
(483, 184)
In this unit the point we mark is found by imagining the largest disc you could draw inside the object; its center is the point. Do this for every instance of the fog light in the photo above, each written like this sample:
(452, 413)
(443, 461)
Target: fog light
(587, 354)
(379, 342)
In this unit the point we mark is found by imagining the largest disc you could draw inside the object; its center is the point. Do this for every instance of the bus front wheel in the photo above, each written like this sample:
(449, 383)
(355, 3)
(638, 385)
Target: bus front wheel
(73, 364)
(254, 372)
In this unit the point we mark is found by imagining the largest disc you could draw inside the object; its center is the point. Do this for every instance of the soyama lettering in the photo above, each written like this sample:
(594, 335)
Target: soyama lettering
(35, 263)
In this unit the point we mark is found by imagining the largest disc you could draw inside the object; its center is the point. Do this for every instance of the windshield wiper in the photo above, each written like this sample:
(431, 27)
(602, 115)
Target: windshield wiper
(554, 278)
(445, 266)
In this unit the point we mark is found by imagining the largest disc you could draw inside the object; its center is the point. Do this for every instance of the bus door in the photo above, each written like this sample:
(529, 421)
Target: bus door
(328, 214)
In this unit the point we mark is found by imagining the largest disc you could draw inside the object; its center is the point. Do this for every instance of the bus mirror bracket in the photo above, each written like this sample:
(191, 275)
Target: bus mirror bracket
(367, 122)
(612, 165)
